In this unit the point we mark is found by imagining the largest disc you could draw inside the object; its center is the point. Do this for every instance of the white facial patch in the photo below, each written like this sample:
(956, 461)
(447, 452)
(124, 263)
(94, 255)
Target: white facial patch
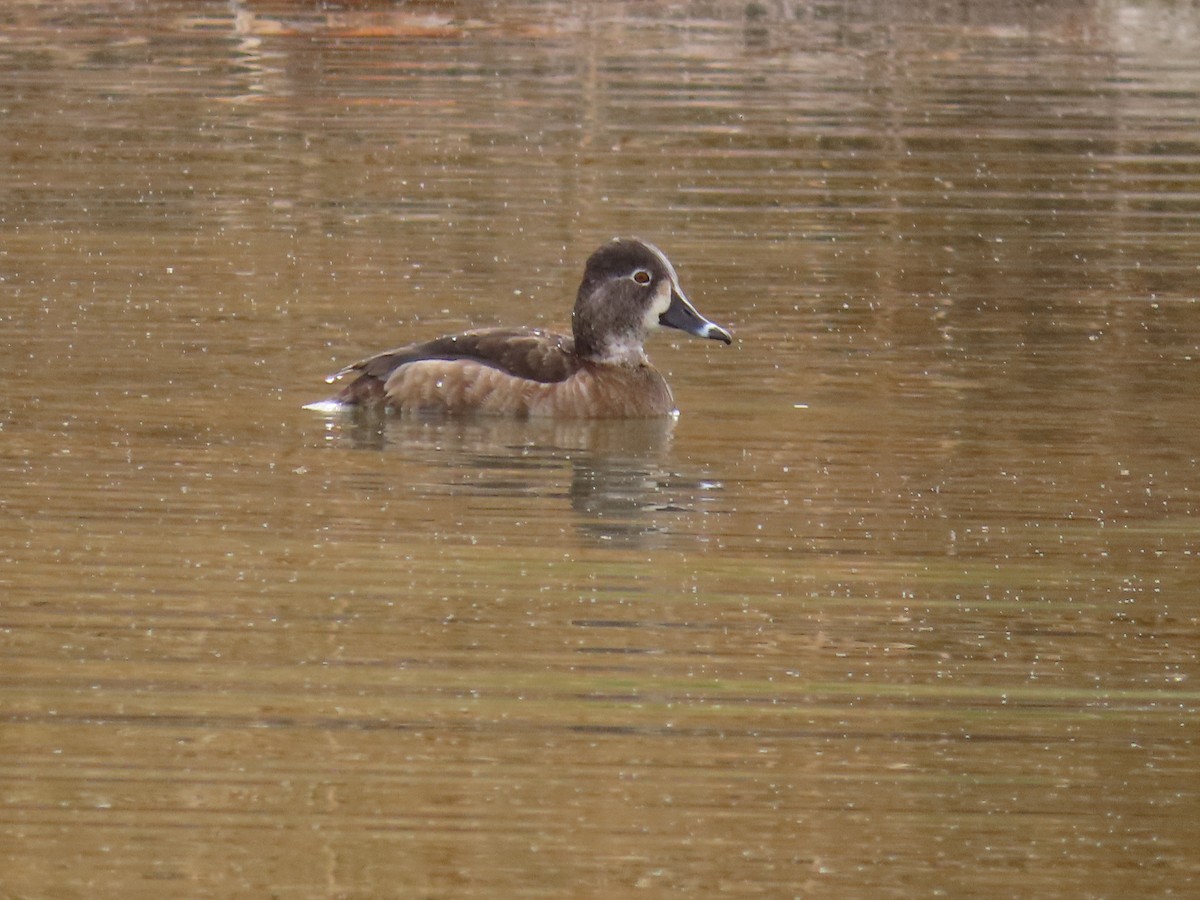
(662, 295)
(659, 304)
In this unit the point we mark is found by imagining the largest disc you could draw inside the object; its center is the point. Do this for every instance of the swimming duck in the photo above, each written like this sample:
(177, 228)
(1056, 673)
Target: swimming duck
(629, 289)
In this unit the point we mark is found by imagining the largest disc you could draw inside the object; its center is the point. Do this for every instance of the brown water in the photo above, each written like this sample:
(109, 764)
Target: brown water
(905, 604)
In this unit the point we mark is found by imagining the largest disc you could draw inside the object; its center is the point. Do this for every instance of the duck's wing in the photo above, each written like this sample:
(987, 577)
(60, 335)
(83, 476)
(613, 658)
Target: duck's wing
(533, 355)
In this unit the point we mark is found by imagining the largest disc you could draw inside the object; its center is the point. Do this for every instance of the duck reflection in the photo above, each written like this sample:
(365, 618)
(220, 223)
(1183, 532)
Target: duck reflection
(614, 475)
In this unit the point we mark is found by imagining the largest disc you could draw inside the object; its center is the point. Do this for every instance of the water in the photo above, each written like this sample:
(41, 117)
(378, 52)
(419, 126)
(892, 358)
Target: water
(904, 604)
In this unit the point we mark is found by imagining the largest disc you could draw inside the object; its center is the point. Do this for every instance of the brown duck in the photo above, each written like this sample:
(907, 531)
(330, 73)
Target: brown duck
(601, 370)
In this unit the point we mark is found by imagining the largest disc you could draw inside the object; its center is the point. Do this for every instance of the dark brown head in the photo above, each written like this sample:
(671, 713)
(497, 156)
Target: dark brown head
(629, 289)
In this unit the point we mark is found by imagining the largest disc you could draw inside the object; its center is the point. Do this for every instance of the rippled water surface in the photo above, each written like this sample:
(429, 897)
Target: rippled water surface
(906, 602)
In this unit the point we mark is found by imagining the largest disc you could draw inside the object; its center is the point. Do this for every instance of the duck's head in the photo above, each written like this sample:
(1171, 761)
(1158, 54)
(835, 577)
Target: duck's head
(629, 289)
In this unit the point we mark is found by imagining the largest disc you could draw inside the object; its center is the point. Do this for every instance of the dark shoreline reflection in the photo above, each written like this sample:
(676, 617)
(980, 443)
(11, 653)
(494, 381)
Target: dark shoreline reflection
(620, 486)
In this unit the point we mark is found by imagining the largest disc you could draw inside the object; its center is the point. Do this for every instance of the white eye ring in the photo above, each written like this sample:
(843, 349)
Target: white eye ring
(641, 276)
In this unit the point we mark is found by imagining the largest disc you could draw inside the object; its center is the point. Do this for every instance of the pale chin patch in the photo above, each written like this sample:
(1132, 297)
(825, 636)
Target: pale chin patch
(624, 350)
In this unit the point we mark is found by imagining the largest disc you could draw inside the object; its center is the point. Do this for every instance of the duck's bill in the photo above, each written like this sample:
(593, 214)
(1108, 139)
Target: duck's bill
(682, 315)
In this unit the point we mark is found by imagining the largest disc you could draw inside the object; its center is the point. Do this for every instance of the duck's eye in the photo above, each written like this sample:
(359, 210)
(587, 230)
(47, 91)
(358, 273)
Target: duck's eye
(641, 276)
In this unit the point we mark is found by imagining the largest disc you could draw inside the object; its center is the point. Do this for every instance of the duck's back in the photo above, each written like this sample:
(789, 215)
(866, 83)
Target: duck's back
(505, 372)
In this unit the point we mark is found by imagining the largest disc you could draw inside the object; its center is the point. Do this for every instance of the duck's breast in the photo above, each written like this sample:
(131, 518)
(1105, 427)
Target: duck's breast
(606, 392)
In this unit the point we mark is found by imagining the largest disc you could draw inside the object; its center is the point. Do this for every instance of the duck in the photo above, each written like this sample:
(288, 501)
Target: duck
(599, 371)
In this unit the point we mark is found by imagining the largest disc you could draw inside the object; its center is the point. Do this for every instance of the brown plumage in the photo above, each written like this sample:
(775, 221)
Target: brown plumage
(629, 288)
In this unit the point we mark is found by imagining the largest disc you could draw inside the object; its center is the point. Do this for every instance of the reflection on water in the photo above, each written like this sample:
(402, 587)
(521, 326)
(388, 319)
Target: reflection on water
(904, 603)
(614, 474)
